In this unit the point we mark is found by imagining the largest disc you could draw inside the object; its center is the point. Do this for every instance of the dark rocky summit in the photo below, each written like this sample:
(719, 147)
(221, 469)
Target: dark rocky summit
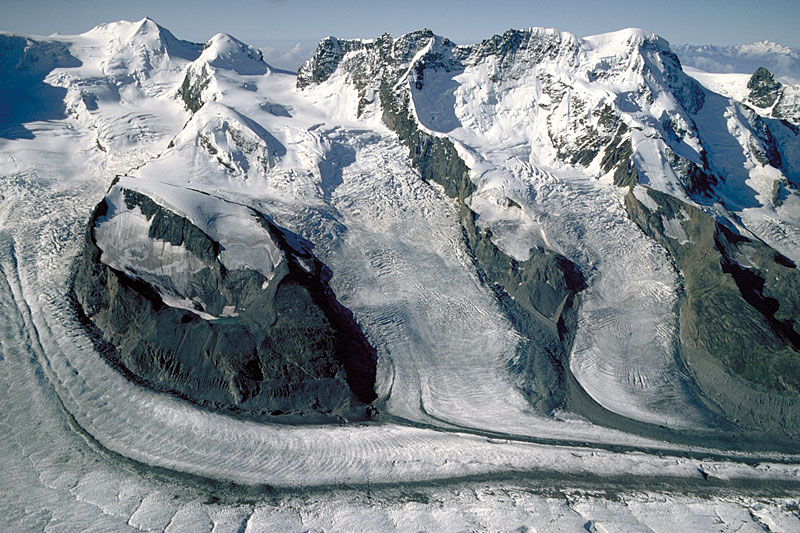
(784, 100)
(764, 88)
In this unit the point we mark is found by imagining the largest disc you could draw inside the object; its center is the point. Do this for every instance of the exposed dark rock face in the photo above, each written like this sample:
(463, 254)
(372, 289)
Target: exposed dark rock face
(278, 345)
(618, 155)
(767, 92)
(764, 88)
(739, 317)
(781, 192)
(697, 180)
(192, 89)
(687, 91)
(766, 151)
(327, 57)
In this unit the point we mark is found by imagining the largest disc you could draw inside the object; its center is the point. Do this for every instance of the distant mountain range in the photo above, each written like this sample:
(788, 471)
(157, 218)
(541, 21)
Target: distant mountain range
(782, 61)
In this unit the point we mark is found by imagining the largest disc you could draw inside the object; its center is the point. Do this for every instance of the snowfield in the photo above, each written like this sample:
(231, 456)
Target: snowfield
(459, 447)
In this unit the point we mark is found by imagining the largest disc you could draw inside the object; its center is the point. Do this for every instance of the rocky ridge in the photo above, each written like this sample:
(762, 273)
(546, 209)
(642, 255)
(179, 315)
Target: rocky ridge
(774, 98)
(608, 134)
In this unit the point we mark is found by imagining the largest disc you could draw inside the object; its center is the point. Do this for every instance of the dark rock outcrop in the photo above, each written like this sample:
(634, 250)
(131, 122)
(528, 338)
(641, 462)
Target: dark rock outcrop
(279, 345)
(739, 315)
(764, 88)
(191, 90)
(767, 92)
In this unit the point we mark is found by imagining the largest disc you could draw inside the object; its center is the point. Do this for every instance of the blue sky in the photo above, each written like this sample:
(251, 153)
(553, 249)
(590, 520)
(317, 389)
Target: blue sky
(261, 21)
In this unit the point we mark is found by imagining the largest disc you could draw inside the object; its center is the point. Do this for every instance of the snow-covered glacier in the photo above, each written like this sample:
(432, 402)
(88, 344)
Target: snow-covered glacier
(519, 230)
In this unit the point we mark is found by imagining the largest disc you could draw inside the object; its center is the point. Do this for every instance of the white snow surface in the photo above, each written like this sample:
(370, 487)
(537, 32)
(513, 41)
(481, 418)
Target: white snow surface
(122, 235)
(394, 246)
(732, 85)
(225, 52)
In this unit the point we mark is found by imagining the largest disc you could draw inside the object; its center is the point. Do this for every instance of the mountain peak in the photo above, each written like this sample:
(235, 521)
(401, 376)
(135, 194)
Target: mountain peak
(764, 47)
(129, 30)
(516, 49)
(764, 89)
(143, 35)
(147, 25)
(149, 28)
(626, 39)
(225, 51)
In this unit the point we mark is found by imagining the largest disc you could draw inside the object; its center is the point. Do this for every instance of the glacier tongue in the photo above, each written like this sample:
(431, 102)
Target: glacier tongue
(624, 353)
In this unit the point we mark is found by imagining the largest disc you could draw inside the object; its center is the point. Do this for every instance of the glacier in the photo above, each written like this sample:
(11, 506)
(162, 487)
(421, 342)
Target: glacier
(457, 445)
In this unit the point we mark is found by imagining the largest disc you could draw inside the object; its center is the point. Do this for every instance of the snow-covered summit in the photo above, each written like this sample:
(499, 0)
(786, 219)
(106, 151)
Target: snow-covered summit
(219, 69)
(626, 37)
(139, 47)
(223, 51)
(765, 47)
(221, 135)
